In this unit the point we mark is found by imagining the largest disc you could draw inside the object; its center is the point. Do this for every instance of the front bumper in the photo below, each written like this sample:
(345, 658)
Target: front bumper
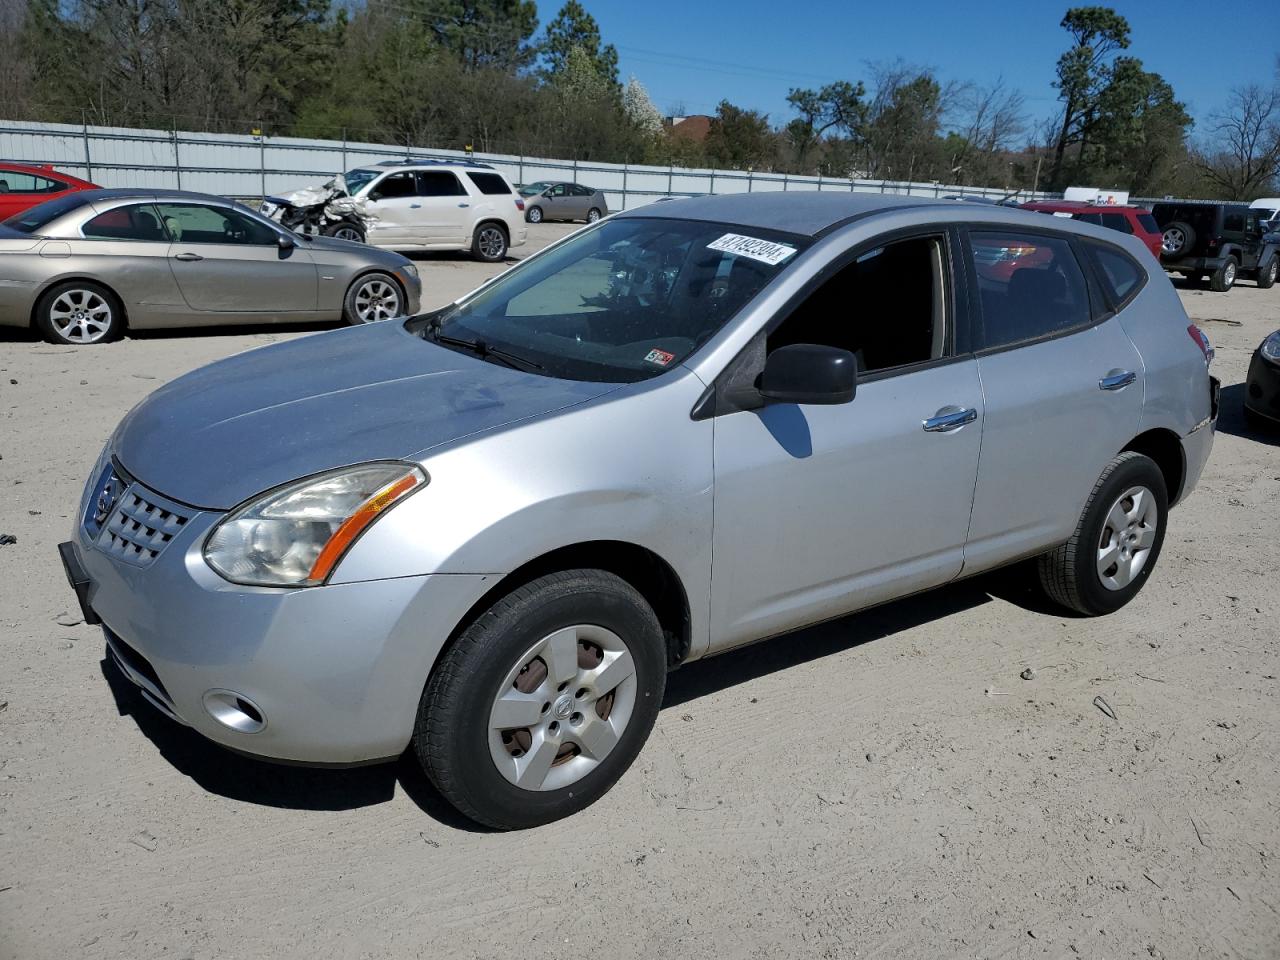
(1262, 387)
(336, 671)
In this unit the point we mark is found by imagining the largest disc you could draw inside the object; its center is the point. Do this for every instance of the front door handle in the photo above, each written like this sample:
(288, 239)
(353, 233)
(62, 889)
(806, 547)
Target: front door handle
(1117, 380)
(188, 257)
(950, 418)
(415, 206)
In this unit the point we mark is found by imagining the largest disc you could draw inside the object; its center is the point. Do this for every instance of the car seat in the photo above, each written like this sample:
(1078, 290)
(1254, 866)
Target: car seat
(174, 228)
(4, 186)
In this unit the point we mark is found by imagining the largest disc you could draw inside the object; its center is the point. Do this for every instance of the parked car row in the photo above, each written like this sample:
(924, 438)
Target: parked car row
(1217, 243)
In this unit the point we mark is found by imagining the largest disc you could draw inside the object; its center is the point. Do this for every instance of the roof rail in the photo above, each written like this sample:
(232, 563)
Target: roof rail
(441, 161)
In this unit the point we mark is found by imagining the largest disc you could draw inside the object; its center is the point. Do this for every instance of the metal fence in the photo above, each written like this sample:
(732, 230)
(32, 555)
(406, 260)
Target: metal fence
(247, 166)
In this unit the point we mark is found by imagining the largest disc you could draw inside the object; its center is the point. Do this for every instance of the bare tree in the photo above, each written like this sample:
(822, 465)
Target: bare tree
(14, 67)
(1241, 156)
(988, 122)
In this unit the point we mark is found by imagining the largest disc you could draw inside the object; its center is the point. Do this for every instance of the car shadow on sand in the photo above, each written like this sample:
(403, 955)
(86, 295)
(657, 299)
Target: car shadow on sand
(1231, 418)
(246, 779)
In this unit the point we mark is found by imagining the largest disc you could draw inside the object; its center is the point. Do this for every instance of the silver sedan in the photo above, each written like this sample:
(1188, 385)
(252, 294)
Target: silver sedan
(548, 200)
(83, 268)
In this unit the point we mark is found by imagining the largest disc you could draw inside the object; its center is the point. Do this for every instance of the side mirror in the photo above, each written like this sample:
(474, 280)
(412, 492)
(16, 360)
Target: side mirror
(285, 242)
(809, 373)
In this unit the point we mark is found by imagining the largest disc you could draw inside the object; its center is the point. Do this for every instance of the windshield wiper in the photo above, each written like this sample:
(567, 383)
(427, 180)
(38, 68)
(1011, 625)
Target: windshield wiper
(481, 349)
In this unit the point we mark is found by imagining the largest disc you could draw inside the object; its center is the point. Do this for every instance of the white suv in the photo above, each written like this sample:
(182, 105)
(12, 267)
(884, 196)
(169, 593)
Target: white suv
(439, 205)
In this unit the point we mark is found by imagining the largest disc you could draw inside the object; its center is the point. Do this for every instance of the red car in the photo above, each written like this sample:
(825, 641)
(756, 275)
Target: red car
(1135, 220)
(24, 185)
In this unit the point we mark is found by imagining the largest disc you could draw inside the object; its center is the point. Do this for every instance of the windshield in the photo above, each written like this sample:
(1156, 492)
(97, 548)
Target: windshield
(38, 217)
(529, 189)
(357, 180)
(620, 302)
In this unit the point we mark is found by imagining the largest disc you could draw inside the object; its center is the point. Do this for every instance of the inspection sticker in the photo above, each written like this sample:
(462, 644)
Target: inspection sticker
(660, 357)
(766, 251)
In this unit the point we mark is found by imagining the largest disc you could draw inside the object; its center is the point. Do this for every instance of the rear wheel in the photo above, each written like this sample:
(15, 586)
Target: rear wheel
(1117, 540)
(490, 243)
(593, 215)
(78, 313)
(375, 296)
(544, 700)
(1225, 276)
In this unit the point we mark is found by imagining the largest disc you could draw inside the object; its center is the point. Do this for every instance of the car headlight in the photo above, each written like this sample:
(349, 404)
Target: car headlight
(1271, 347)
(409, 270)
(295, 535)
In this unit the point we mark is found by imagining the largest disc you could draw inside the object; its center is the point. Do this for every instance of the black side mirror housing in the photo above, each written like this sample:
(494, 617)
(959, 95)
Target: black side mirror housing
(285, 242)
(809, 373)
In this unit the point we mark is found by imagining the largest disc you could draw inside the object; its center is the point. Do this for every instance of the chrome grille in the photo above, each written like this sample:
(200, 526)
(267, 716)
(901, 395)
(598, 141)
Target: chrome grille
(140, 526)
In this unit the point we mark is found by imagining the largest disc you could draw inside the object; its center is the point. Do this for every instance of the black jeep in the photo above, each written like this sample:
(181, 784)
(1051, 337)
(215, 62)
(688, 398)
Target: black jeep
(1221, 241)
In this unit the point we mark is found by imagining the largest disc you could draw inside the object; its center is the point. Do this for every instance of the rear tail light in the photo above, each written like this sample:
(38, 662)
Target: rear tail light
(1202, 342)
(519, 204)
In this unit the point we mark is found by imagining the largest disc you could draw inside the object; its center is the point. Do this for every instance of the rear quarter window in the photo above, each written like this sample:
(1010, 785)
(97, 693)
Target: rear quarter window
(1148, 223)
(489, 183)
(1121, 276)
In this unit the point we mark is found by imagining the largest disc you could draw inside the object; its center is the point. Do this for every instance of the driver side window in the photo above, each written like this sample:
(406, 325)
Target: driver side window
(888, 307)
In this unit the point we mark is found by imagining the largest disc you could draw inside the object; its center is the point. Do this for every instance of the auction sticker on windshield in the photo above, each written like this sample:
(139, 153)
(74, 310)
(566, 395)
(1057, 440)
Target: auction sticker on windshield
(766, 251)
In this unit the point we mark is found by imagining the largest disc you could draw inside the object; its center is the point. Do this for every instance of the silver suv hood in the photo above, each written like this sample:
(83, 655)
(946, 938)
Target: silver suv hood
(223, 433)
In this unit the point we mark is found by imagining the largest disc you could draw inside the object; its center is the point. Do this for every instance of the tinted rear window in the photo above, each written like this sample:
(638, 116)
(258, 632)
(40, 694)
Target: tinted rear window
(38, 217)
(1117, 221)
(1148, 223)
(489, 183)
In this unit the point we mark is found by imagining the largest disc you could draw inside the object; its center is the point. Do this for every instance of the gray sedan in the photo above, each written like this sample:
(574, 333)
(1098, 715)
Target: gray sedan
(552, 200)
(489, 532)
(83, 267)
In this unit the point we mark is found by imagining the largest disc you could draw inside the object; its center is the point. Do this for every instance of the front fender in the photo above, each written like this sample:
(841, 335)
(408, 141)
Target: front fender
(631, 467)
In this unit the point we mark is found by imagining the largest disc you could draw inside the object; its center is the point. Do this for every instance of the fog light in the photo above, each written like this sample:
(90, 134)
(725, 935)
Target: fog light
(235, 711)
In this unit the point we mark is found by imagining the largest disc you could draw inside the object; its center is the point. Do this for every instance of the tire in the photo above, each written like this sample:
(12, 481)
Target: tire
(372, 297)
(79, 313)
(490, 243)
(1225, 276)
(346, 230)
(533, 215)
(1177, 239)
(1072, 574)
(475, 764)
(593, 215)
(1267, 274)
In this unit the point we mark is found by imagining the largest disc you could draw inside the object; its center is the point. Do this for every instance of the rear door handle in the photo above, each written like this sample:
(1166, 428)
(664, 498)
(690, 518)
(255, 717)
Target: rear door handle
(415, 206)
(1117, 380)
(464, 204)
(950, 418)
(188, 257)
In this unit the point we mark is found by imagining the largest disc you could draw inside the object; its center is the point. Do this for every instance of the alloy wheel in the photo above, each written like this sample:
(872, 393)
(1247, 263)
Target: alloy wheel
(81, 316)
(377, 299)
(593, 215)
(491, 242)
(348, 233)
(535, 215)
(562, 708)
(1229, 273)
(1172, 240)
(1127, 537)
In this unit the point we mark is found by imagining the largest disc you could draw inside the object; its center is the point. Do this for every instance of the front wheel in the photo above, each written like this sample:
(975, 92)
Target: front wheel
(375, 296)
(1267, 275)
(345, 230)
(1116, 542)
(544, 701)
(534, 215)
(1225, 276)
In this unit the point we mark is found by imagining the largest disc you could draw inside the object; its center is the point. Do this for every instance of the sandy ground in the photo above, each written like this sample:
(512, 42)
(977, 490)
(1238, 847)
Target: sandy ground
(847, 791)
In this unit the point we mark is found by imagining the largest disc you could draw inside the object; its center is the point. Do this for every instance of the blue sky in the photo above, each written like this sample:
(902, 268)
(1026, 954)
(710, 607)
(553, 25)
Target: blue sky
(753, 51)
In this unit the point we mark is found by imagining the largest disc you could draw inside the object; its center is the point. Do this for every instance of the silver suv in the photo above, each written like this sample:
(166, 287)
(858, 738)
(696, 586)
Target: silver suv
(490, 531)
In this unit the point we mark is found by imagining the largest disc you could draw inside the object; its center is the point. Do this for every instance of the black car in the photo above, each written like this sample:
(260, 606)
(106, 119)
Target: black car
(1220, 241)
(1262, 389)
